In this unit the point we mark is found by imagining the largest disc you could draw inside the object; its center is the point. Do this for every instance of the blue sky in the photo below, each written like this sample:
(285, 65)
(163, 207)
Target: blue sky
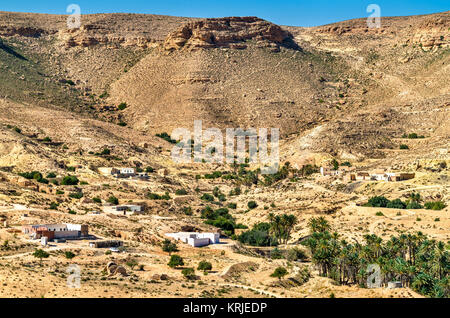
(286, 12)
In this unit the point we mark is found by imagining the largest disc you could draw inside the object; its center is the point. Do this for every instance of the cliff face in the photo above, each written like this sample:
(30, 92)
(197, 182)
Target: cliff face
(226, 32)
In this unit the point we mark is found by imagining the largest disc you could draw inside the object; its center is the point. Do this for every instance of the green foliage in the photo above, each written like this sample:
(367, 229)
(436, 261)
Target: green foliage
(132, 263)
(39, 253)
(149, 170)
(252, 205)
(181, 192)
(188, 273)
(396, 204)
(279, 272)
(436, 205)
(54, 206)
(69, 254)
(76, 195)
(34, 175)
(319, 225)
(413, 259)
(175, 261)
(169, 247)
(105, 152)
(97, 200)
(187, 210)
(122, 106)
(70, 180)
(113, 200)
(232, 205)
(378, 202)
(51, 175)
(404, 147)
(335, 164)
(258, 236)
(166, 137)
(207, 197)
(204, 266)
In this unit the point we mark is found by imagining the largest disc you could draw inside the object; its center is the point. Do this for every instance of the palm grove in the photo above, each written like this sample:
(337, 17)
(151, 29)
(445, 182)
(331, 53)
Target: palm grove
(414, 259)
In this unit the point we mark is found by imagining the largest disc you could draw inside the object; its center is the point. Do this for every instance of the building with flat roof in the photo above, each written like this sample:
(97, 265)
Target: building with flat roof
(56, 231)
(196, 239)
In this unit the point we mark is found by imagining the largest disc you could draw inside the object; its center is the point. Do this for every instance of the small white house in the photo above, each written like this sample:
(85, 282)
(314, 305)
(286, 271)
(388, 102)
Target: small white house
(126, 209)
(196, 239)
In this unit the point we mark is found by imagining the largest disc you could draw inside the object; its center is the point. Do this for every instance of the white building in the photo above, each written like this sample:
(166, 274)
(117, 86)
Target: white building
(196, 239)
(126, 209)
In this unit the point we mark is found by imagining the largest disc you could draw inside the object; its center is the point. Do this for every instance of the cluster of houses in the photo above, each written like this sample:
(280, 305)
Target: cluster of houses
(350, 174)
(62, 231)
(123, 173)
(196, 239)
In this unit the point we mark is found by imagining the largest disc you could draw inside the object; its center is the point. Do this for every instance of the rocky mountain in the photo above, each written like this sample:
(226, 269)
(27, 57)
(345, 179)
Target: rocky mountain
(341, 89)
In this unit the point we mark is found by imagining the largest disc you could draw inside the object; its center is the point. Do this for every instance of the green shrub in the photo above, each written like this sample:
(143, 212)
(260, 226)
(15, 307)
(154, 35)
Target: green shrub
(232, 205)
(436, 205)
(207, 197)
(153, 196)
(69, 180)
(51, 175)
(113, 200)
(414, 205)
(175, 261)
(181, 192)
(378, 202)
(76, 195)
(404, 147)
(396, 204)
(122, 106)
(252, 205)
(188, 273)
(97, 200)
(204, 266)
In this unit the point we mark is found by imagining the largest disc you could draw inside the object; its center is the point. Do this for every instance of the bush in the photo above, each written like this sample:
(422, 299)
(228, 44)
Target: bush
(187, 210)
(153, 196)
(378, 202)
(207, 197)
(437, 205)
(54, 206)
(76, 195)
(204, 266)
(122, 106)
(105, 152)
(51, 175)
(232, 206)
(279, 272)
(252, 205)
(97, 200)
(414, 205)
(69, 255)
(166, 137)
(175, 261)
(181, 192)
(149, 170)
(70, 180)
(188, 273)
(396, 204)
(258, 236)
(403, 146)
(169, 247)
(113, 200)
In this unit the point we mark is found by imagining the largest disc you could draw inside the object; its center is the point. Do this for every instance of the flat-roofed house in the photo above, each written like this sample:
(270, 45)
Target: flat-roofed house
(196, 239)
(56, 231)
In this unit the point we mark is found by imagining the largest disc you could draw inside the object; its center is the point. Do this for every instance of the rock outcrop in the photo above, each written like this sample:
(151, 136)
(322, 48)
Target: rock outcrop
(225, 32)
(8, 30)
